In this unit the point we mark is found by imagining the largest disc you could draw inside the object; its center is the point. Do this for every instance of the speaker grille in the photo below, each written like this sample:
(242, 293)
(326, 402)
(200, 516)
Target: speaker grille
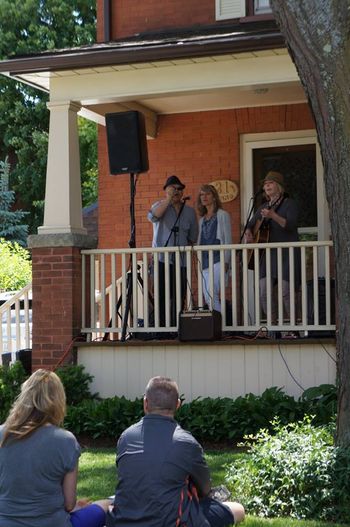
(127, 143)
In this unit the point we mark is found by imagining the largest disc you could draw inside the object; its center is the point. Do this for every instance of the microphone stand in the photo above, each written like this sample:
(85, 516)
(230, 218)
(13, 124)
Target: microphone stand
(252, 203)
(174, 230)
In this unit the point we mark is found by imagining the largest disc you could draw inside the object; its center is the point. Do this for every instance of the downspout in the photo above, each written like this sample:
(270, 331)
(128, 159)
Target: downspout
(107, 8)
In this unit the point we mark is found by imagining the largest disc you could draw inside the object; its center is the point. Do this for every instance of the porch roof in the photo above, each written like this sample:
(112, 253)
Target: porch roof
(197, 41)
(200, 68)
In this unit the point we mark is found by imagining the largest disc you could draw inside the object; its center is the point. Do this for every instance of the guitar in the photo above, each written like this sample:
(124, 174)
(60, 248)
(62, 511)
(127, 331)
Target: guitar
(261, 232)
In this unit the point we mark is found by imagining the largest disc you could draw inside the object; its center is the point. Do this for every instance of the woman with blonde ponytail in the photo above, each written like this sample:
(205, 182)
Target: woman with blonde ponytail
(39, 461)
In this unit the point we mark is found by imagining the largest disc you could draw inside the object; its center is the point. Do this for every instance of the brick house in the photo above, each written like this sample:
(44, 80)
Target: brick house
(223, 104)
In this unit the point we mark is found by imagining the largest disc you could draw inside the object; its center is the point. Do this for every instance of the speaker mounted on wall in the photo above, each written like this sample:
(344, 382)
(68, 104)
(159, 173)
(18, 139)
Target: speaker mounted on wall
(127, 143)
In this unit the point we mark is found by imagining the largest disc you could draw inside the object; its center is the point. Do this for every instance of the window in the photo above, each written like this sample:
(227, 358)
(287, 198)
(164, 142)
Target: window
(261, 7)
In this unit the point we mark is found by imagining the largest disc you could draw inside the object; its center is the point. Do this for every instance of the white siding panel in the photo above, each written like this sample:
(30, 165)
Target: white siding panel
(252, 369)
(207, 369)
(184, 378)
(120, 367)
(292, 356)
(133, 375)
(265, 368)
(146, 366)
(229, 9)
(224, 359)
(172, 364)
(198, 370)
(238, 369)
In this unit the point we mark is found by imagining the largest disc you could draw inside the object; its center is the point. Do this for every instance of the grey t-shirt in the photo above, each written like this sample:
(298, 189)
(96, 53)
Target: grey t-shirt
(31, 475)
(187, 227)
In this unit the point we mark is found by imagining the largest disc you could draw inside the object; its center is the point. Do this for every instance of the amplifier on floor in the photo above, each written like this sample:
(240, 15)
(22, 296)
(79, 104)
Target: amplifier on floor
(199, 325)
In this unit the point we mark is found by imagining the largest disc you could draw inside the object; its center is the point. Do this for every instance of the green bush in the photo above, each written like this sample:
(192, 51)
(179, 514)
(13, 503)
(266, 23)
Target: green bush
(295, 471)
(15, 266)
(11, 378)
(107, 418)
(76, 383)
(321, 402)
(230, 419)
(220, 419)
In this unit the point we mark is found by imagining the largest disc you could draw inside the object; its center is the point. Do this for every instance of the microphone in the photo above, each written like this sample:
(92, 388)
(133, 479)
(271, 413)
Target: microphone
(259, 192)
(186, 198)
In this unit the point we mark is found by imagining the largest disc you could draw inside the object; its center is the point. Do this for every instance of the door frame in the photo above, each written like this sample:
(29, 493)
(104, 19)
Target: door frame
(250, 142)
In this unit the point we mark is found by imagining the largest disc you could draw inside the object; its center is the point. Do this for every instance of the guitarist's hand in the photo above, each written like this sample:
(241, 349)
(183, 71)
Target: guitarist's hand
(267, 213)
(272, 214)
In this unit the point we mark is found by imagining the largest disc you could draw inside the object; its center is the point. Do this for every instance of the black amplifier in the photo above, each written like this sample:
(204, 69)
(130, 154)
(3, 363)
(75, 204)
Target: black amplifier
(199, 325)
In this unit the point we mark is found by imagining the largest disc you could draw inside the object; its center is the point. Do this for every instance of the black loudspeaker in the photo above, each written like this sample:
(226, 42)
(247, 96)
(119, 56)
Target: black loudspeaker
(200, 325)
(127, 143)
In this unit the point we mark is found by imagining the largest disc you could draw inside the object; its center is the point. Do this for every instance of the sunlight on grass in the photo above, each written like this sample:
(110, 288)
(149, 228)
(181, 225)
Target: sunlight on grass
(97, 479)
(97, 473)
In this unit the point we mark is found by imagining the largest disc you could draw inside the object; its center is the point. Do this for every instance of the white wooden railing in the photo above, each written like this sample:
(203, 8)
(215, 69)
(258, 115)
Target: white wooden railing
(106, 274)
(16, 324)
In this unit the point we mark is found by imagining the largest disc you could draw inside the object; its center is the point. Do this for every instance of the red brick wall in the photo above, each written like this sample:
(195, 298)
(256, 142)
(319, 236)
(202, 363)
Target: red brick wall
(197, 147)
(135, 16)
(56, 303)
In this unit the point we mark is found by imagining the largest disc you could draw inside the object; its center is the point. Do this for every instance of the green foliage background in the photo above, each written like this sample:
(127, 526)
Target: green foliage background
(27, 27)
(12, 226)
(294, 471)
(15, 266)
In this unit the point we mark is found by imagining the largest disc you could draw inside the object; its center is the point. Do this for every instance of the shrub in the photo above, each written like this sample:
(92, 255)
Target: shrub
(15, 266)
(219, 419)
(107, 418)
(321, 402)
(76, 383)
(11, 378)
(297, 471)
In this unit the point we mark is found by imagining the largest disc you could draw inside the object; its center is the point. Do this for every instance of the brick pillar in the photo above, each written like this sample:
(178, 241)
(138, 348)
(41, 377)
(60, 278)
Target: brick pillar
(57, 286)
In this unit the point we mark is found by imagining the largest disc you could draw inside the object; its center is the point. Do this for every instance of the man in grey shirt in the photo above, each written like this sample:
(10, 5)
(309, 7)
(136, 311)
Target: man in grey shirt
(164, 480)
(174, 224)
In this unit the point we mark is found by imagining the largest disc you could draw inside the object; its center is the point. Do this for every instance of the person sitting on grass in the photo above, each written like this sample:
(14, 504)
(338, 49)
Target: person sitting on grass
(39, 462)
(164, 480)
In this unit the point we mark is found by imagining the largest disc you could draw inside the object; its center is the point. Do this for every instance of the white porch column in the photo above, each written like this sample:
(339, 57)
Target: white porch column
(63, 207)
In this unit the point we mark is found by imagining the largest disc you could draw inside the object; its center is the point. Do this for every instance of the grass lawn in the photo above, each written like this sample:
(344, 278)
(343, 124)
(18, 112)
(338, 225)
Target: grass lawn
(97, 478)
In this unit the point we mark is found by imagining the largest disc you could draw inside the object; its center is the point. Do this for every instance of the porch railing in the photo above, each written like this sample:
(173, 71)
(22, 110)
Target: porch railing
(108, 274)
(16, 324)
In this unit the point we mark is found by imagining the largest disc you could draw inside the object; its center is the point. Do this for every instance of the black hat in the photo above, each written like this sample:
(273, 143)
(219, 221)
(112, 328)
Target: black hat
(173, 180)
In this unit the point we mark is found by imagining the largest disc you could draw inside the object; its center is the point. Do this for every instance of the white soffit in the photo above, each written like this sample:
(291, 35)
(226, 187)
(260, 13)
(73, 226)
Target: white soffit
(222, 81)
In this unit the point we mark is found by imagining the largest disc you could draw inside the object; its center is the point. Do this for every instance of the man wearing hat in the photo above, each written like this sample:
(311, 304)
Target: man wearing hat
(278, 218)
(174, 225)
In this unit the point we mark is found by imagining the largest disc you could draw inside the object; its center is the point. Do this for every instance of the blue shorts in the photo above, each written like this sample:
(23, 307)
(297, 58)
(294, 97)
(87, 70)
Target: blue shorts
(217, 513)
(90, 516)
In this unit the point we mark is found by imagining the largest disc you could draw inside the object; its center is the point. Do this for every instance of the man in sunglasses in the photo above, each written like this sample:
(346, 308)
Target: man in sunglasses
(174, 225)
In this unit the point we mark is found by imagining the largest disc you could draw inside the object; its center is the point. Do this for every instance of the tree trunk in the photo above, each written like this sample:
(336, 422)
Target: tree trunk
(317, 34)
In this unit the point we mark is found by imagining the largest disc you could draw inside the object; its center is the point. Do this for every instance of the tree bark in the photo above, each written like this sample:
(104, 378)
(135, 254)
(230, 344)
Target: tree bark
(317, 34)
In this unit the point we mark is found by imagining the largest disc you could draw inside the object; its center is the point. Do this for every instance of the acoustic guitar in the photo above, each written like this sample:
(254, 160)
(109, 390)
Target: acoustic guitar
(261, 232)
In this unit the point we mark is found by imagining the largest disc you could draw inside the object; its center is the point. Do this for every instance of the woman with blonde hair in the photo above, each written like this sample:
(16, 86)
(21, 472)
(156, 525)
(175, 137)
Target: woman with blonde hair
(39, 461)
(214, 229)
